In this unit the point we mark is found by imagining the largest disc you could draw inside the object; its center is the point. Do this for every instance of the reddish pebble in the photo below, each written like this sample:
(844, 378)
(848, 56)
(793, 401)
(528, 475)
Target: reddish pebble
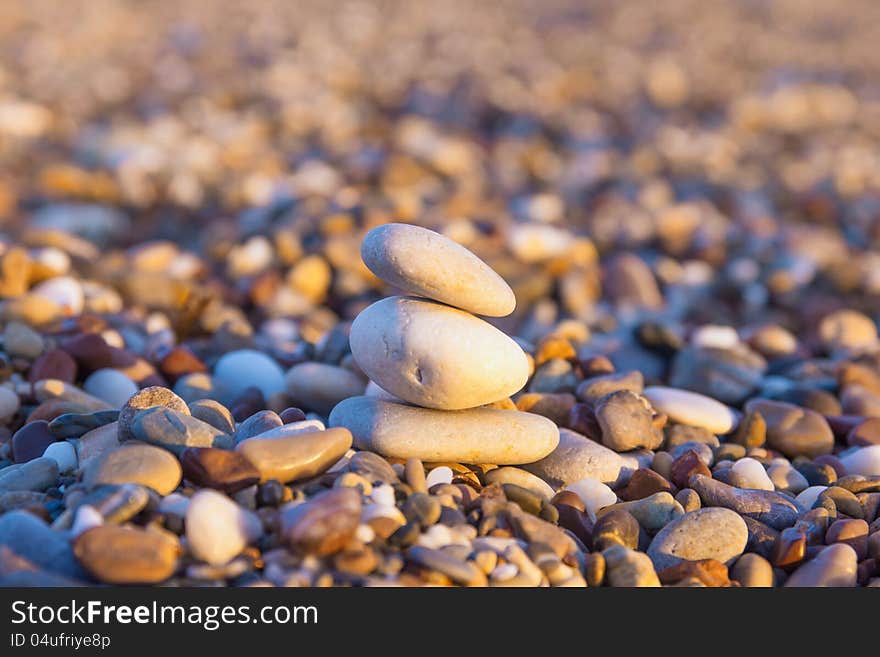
(853, 532)
(31, 441)
(685, 466)
(54, 364)
(292, 414)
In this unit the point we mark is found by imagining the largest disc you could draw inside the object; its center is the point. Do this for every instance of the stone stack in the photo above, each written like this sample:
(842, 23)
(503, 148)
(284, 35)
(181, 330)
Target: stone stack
(437, 368)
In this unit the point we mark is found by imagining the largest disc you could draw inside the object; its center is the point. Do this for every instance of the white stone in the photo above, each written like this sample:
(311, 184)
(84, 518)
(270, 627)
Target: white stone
(371, 511)
(64, 454)
(9, 404)
(594, 494)
(239, 370)
(86, 517)
(715, 336)
(441, 475)
(383, 494)
(785, 477)
(436, 356)
(753, 474)
(64, 291)
(428, 264)
(111, 385)
(217, 529)
(807, 497)
(692, 408)
(478, 435)
(863, 461)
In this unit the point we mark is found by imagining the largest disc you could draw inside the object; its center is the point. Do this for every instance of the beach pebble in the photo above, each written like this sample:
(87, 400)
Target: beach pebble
(297, 455)
(31, 441)
(479, 435)
(436, 356)
(691, 408)
(593, 493)
(577, 457)
(319, 387)
(627, 422)
(427, 264)
(628, 568)
(522, 478)
(147, 398)
(863, 461)
(217, 529)
(847, 329)
(237, 371)
(752, 474)
(221, 469)
(64, 454)
(439, 475)
(712, 533)
(65, 292)
(834, 566)
(176, 431)
(793, 430)
(136, 464)
(753, 571)
(127, 555)
(325, 523)
(36, 475)
(9, 404)
(112, 386)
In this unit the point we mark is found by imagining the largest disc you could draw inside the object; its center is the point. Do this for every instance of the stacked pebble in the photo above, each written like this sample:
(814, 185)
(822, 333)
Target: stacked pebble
(435, 358)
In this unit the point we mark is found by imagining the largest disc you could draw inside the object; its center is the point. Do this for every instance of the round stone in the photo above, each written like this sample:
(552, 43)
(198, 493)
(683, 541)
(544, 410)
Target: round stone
(319, 387)
(111, 385)
(64, 291)
(847, 329)
(793, 430)
(147, 398)
(436, 356)
(137, 464)
(127, 555)
(692, 408)
(863, 461)
(835, 566)
(64, 454)
(239, 370)
(519, 477)
(712, 533)
(752, 474)
(427, 264)
(577, 457)
(479, 435)
(594, 494)
(217, 529)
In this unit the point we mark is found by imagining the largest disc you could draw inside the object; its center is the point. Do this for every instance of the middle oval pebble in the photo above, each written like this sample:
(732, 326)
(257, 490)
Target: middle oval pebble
(436, 356)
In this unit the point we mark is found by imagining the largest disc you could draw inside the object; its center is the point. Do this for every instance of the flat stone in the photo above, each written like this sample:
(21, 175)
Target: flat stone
(431, 265)
(117, 503)
(289, 458)
(135, 463)
(127, 555)
(97, 442)
(217, 529)
(692, 408)
(36, 475)
(31, 441)
(176, 431)
(770, 508)
(577, 457)
(834, 566)
(436, 356)
(237, 371)
(713, 533)
(221, 469)
(61, 390)
(324, 524)
(27, 536)
(479, 435)
(792, 430)
(319, 387)
(74, 425)
(459, 571)
(144, 399)
(627, 422)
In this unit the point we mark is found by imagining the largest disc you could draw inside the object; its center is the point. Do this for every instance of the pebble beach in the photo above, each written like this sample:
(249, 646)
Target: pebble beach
(380, 294)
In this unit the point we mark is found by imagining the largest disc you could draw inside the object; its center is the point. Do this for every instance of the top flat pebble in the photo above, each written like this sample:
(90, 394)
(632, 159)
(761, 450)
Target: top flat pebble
(428, 264)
